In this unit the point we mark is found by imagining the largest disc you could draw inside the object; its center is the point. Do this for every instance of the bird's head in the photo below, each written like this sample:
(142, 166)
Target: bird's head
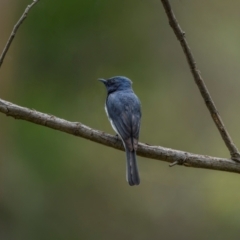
(117, 83)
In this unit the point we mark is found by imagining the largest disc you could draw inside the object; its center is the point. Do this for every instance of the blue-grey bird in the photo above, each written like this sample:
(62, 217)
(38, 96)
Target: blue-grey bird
(123, 109)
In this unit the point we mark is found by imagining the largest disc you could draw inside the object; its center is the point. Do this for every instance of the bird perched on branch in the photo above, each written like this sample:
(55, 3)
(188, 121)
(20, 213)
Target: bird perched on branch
(123, 109)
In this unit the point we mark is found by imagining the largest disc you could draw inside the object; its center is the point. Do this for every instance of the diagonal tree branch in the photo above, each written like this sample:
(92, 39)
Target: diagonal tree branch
(14, 31)
(235, 155)
(155, 152)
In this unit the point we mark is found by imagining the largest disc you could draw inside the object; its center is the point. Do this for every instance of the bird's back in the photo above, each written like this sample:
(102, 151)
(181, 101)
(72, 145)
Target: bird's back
(124, 109)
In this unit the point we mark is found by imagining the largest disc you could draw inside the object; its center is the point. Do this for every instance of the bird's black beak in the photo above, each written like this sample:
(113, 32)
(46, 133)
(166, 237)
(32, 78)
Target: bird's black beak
(102, 80)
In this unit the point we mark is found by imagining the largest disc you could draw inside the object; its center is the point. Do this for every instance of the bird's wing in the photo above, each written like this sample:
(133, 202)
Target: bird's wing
(125, 113)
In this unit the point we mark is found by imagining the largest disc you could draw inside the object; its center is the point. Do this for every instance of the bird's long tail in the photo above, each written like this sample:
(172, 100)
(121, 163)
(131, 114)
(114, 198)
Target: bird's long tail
(132, 168)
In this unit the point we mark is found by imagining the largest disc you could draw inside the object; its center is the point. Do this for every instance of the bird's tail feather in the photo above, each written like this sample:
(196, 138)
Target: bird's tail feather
(132, 168)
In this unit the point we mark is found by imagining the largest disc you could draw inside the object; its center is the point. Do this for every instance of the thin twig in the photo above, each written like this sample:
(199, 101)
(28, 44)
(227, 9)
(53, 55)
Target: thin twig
(235, 155)
(14, 31)
(145, 150)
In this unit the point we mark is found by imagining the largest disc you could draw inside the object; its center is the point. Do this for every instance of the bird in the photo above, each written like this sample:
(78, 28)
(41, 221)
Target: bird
(123, 109)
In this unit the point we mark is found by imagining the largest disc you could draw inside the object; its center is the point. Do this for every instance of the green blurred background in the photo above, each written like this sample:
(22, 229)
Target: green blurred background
(57, 186)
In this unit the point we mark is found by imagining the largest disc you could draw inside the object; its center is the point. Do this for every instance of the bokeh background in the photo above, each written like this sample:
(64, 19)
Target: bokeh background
(57, 186)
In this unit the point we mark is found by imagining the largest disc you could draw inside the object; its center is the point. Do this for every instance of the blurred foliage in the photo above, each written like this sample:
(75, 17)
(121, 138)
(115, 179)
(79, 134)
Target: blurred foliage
(57, 186)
